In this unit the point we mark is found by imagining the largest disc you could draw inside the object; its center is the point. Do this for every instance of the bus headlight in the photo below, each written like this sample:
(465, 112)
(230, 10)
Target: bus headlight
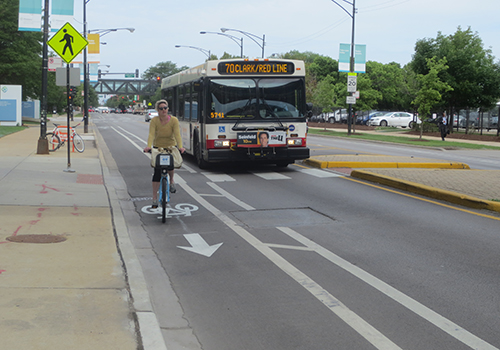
(222, 143)
(294, 142)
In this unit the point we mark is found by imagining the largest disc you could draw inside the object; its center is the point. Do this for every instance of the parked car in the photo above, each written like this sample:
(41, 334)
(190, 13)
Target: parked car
(493, 123)
(395, 119)
(150, 114)
(371, 115)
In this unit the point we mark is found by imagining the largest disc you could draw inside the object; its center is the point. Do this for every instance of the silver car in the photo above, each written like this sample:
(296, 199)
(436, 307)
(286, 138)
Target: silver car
(395, 119)
(150, 114)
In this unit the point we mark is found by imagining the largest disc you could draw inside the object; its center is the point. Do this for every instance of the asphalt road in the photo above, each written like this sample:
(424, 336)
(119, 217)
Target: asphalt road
(301, 258)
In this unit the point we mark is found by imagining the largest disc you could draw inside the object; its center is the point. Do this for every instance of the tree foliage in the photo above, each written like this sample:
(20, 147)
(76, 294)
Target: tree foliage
(20, 52)
(162, 70)
(472, 73)
(431, 87)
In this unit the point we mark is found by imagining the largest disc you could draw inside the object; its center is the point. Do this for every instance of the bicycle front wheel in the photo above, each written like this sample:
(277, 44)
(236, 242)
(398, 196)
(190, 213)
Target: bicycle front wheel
(78, 143)
(54, 141)
(164, 189)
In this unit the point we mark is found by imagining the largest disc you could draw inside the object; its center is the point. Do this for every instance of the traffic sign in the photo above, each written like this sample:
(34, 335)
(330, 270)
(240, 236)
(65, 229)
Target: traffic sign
(350, 100)
(352, 82)
(67, 42)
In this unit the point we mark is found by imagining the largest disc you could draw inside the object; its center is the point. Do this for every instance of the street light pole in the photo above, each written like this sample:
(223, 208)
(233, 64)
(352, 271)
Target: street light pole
(250, 35)
(85, 73)
(351, 61)
(206, 52)
(232, 37)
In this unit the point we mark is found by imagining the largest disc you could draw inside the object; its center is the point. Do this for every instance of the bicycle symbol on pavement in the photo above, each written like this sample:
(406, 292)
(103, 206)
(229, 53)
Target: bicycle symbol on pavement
(181, 209)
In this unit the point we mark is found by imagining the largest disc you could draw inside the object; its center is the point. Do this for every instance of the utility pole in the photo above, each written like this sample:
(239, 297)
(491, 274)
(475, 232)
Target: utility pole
(43, 143)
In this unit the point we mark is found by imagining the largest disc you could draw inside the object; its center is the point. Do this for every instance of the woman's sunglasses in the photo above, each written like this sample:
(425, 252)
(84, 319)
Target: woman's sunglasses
(162, 108)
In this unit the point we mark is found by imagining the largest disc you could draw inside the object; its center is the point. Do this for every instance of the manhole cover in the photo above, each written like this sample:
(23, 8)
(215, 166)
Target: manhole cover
(36, 239)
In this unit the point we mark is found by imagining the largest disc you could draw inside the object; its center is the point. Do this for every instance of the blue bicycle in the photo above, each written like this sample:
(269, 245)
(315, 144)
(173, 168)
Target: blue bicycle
(165, 162)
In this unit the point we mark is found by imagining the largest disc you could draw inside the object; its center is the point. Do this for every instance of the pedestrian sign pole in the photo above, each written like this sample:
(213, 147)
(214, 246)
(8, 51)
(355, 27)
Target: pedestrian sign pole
(68, 43)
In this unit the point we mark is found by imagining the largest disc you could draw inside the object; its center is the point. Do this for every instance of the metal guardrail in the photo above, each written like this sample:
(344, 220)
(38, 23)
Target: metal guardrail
(125, 87)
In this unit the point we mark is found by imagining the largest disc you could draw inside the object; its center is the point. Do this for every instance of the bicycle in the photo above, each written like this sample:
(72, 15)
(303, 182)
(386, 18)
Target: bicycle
(58, 137)
(164, 161)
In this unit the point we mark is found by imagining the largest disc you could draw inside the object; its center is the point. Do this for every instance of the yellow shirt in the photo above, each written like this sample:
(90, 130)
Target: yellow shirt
(164, 136)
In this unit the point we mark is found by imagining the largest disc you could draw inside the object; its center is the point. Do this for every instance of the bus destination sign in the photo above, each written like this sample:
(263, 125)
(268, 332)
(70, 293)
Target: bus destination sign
(255, 67)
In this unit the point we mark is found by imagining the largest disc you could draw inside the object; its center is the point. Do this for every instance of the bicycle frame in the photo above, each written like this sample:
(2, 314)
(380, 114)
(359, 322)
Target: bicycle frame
(164, 161)
(164, 193)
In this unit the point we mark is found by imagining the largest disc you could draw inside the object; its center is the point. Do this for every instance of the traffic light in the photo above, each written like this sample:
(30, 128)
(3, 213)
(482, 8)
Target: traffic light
(99, 74)
(158, 79)
(137, 73)
(71, 94)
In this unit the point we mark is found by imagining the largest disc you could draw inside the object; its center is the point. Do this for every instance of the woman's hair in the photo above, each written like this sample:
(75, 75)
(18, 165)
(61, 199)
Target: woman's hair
(159, 102)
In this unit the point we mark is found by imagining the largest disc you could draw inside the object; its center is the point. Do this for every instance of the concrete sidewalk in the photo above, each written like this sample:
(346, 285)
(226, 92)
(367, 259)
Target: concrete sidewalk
(72, 294)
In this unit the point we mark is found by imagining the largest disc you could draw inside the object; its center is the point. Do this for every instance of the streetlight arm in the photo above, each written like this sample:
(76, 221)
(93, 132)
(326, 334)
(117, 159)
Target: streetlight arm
(342, 7)
(232, 37)
(206, 52)
(250, 35)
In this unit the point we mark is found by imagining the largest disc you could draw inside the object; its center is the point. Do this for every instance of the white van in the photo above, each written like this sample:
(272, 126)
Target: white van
(103, 109)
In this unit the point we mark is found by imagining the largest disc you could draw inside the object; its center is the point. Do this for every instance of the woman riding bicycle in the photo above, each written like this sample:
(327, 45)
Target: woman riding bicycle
(164, 132)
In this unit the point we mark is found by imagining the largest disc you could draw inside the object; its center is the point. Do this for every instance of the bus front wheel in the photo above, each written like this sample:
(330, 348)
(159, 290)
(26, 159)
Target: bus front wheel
(202, 164)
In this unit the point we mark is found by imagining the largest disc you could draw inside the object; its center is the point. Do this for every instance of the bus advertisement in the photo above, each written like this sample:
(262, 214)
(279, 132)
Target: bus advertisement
(241, 110)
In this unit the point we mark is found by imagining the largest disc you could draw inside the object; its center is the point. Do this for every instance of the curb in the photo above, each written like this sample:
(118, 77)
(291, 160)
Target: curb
(428, 191)
(349, 164)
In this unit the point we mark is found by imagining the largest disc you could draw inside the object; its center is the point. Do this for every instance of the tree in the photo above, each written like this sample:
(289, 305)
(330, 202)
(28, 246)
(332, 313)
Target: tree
(389, 80)
(431, 88)
(162, 69)
(21, 52)
(472, 72)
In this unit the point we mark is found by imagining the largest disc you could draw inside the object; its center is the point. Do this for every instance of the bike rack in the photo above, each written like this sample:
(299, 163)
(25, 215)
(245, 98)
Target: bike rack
(63, 135)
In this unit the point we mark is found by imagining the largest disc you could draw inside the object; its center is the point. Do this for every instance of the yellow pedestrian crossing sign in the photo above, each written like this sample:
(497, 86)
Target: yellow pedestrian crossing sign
(67, 42)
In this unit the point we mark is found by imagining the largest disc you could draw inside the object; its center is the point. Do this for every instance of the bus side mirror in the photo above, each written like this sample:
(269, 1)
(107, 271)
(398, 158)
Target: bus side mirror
(309, 107)
(198, 85)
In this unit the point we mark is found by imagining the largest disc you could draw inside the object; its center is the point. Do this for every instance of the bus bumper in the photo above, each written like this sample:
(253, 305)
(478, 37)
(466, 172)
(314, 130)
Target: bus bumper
(267, 155)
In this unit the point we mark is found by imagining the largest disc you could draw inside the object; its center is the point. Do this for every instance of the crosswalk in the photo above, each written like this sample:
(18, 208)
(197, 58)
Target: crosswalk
(272, 175)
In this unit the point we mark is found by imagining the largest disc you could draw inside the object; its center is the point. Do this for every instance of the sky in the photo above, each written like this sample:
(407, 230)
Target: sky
(388, 28)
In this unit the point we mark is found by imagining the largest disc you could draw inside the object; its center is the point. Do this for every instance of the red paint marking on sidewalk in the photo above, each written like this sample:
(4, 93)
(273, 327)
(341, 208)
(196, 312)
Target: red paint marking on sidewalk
(76, 214)
(33, 222)
(75, 207)
(4, 242)
(45, 187)
(2, 271)
(17, 231)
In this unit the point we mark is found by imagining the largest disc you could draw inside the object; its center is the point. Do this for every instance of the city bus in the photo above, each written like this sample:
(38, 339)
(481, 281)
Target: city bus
(241, 110)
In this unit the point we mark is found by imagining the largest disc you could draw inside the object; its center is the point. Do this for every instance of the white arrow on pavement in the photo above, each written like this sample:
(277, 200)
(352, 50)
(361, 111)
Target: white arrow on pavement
(199, 245)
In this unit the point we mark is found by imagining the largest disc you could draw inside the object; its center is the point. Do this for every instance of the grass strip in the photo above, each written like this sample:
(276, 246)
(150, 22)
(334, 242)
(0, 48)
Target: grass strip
(403, 140)
(6, 130)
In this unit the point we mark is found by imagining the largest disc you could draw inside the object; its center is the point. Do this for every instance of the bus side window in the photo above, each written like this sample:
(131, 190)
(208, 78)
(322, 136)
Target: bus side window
(180, 99)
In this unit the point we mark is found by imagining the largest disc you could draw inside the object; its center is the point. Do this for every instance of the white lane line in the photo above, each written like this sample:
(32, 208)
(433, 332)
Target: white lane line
(270, 176)
(131, 141)
(319, 173)
(367, 331)
(229, 196)
(218, 177)
(132, 134)
(433, 317)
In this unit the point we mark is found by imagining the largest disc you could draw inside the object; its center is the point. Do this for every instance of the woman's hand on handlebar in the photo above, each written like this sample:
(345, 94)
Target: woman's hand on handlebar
(147, 150)
(182, 149)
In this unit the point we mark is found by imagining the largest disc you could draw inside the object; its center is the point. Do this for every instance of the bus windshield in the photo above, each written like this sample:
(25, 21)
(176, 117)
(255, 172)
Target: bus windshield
(266, 98)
